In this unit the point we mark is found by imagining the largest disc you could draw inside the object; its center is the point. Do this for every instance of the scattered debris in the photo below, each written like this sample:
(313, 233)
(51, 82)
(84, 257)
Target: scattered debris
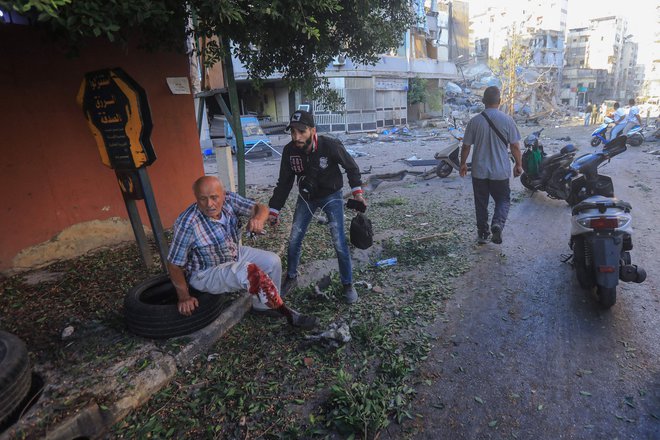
(355, 153)
(431, 237)
(387, 262)
(334, 336)
(363, 283)
(67, 332)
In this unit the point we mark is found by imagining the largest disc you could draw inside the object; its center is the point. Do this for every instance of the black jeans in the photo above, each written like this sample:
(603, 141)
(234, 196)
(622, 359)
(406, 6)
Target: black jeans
(501, 194)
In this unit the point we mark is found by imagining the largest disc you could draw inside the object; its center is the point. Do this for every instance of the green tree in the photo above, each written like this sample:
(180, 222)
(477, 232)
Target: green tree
(417, 90)
(296, 38)
(514, 56)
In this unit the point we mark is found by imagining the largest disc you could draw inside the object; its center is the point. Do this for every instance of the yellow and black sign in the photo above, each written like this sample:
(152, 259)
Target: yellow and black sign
(117, 112)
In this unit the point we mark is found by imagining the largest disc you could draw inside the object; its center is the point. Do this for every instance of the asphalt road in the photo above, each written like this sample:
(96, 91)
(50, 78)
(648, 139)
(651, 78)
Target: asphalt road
(523, 352)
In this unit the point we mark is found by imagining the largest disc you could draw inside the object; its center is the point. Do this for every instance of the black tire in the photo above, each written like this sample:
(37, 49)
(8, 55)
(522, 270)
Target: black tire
(443, 169)
(15, 375)
(582, 272)
(606, 296)
(527, 181)
(151, 310)
(635, 140)
(595, 141)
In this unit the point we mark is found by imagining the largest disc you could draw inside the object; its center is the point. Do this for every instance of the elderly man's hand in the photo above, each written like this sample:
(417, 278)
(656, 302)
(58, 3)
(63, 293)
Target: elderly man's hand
(187, 306)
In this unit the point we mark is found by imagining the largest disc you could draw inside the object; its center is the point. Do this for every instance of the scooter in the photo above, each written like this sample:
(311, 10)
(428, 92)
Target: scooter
(449, 156)
(635, 136)
(551, 173)
(601, 228)
(599, 135)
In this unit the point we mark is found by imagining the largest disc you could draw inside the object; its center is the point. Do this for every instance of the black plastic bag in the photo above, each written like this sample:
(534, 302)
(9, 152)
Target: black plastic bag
(362, 234)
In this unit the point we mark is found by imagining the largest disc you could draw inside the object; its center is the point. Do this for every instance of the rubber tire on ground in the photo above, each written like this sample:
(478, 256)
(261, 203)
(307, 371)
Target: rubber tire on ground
(443, 169)
(15, 375)
(526, 181)
(635, 141)
(150, 309)
(606, 296)
(595, 141)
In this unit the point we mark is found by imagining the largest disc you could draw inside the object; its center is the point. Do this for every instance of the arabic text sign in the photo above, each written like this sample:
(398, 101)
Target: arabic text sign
(117, 113)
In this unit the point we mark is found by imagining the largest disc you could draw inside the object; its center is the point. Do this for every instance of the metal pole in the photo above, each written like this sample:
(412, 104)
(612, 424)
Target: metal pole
(236, 113)
(138, 230)
(154, 217)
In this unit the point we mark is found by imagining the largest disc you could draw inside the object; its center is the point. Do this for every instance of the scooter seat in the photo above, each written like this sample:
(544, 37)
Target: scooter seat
(601, 203)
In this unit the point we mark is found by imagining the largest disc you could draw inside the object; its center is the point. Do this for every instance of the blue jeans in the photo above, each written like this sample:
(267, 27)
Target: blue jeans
(501, 194)
(333, 206)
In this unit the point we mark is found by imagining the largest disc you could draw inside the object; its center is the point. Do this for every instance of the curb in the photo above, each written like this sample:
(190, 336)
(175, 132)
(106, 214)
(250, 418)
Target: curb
(93, 421)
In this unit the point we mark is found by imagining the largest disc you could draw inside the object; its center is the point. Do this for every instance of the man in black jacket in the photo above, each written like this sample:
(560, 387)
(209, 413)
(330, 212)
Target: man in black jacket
(314, 161)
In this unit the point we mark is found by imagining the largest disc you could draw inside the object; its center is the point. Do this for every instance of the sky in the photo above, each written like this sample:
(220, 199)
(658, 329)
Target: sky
(640, 14)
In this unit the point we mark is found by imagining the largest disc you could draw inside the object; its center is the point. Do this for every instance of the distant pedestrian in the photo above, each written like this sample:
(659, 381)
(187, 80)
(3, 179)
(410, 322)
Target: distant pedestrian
(603, 112)
(492, 133)
(594, 115)
(587, 114)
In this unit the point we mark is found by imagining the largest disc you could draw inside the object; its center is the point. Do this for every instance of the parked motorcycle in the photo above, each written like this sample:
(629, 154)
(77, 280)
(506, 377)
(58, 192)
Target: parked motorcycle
(546, 173)
(601, 227)
(449, 157)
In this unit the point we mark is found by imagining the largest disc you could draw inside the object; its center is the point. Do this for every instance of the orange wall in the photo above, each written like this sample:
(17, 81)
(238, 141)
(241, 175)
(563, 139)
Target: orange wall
(51, 176)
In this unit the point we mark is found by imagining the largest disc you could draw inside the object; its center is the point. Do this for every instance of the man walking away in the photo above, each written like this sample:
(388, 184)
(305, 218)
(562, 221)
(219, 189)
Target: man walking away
(492, 133)
(314, 161)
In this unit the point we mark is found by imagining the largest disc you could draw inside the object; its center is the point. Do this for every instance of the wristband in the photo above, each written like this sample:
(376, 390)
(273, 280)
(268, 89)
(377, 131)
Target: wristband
(357, 192)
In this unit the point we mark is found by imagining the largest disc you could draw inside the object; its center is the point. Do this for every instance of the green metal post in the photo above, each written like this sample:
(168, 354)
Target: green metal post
(236, 115)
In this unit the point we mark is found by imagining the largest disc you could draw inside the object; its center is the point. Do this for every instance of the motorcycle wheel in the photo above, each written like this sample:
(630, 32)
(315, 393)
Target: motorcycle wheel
(606, 296)
(527, 181)
(443, 169)
(635, 141)
(595, 141)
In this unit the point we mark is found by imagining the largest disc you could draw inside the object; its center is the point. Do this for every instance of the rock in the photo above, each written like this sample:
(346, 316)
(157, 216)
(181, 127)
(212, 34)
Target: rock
(67, 332)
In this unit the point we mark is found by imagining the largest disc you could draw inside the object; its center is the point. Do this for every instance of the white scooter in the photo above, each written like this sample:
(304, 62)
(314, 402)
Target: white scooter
(601, 228)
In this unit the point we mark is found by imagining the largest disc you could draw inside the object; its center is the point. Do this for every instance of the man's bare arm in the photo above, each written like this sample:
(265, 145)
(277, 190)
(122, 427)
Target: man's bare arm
(465, 152)
(258, 219)
(517, 156)
(186, 303)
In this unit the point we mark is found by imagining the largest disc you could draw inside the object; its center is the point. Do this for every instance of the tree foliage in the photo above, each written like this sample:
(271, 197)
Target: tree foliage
(417, 91)
(297, 38)
(514, 56)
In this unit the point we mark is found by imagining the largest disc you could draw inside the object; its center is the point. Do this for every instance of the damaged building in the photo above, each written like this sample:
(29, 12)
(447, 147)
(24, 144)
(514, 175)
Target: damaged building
(376, 96)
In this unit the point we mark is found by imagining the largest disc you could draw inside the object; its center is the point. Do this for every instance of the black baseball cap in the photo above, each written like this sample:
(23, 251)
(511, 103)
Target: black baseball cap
(300, 119)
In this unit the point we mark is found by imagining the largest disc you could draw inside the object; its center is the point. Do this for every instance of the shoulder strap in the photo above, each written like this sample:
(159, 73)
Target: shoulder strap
(497, 132)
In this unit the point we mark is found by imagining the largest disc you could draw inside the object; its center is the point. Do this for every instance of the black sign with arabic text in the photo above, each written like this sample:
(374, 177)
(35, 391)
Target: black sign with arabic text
(118, 114)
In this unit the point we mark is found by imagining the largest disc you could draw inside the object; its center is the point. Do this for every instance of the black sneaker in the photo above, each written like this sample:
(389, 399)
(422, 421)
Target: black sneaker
(482, 238)
(497, 234)
(288, 285)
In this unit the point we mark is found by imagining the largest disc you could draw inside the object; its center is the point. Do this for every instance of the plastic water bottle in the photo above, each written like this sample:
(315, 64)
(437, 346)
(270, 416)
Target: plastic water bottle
(388, 262)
